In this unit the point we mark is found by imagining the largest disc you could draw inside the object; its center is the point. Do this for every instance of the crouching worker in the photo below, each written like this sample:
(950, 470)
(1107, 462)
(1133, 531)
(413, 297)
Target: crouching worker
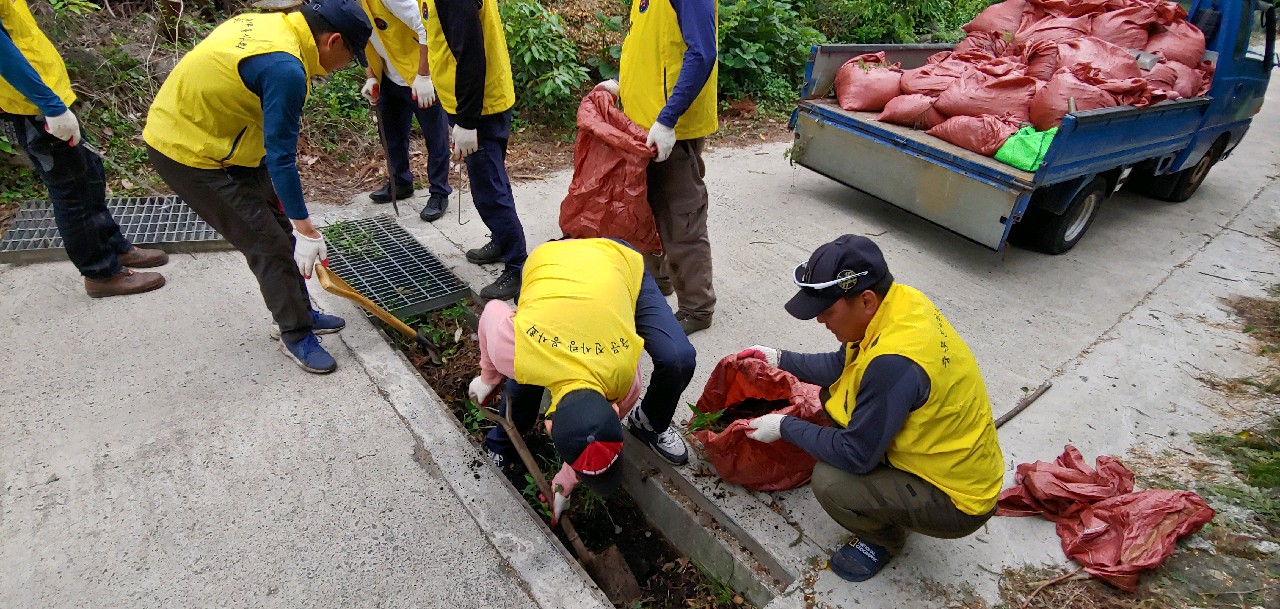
(586, 311)
(915, 448)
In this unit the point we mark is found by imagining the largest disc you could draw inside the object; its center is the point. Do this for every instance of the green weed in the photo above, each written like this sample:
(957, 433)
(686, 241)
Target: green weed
(709, 421)
(351, 240)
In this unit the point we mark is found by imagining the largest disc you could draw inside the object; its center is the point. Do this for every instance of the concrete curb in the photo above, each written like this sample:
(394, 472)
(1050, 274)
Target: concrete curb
(552, 578)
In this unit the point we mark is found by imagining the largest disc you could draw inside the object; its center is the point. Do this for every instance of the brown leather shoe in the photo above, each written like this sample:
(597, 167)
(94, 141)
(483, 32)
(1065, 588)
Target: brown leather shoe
(140, 258)
(126, 282)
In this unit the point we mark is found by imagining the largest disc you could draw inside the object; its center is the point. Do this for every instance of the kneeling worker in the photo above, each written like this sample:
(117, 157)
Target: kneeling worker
(915, 448)
(586, 310)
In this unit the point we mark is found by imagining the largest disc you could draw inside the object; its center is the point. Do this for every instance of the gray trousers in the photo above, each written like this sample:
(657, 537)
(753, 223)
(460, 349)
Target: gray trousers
(882, 506)
(241, 204)
(678, 197)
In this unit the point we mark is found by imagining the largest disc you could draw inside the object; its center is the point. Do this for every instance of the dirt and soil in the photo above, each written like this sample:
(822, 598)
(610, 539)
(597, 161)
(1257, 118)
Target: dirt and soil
(7, 212)
(669, 581)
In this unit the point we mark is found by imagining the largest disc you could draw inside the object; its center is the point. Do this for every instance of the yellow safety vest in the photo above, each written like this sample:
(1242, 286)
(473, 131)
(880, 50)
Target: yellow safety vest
(951, 440)
(398, 40)
(576, 323)
(652, 56)
(35, 46)
(499, 90)
(204, 116)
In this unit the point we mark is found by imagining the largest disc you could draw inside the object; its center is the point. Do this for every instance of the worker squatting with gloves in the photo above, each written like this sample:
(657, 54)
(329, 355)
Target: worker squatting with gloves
(35, 99)
(398, 83)
(587, 309)
(223, 134)
(914, 448)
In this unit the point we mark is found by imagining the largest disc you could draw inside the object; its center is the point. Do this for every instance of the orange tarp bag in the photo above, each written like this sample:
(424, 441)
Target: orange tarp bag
(756, 465)
(609, 194)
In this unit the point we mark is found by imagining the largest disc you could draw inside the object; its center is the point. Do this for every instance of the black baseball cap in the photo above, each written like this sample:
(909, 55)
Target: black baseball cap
(588, 436)
(849, 265)
(348, 19)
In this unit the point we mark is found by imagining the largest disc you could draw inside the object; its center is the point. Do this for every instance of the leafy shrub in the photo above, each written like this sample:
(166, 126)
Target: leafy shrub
(548, 77)
(335, 113)
(764, 45)
(891, 21)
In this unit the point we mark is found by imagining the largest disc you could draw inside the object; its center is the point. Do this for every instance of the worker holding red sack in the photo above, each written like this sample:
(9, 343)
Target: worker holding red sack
(914, 448)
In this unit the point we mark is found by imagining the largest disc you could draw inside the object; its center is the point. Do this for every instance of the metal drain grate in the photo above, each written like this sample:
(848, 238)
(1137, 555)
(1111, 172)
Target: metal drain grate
(165, 222)
(382, 261)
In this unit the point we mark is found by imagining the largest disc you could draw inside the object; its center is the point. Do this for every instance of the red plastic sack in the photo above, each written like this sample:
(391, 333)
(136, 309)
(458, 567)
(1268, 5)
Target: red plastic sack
(1006, 16)
(1056, 29)
(1112, 532)
(1179, 41)
(933, 78)
(866, 83)
(1041, 59)
(1090, 90)
(1176, 78)
(1004, 66)
(756, 465)
(994, 43)
(981, 134)
(915, 111)
(1127, 27)
(1113, 61)
(978, 94)
(1206, 70)
(608, 196)
(1070, 8)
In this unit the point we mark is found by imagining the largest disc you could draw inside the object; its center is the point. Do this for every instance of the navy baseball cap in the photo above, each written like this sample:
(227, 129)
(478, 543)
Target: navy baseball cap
(588, 436)
(849, 265)
(348, 19)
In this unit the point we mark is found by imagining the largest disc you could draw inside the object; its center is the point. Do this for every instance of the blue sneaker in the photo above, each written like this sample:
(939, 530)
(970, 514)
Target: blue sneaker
(309, 355)
(321, 323)
(858, 561)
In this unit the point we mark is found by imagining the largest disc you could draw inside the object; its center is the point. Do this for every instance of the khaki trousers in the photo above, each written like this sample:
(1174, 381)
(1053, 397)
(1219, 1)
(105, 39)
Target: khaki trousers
(882, 506)
(678, 197)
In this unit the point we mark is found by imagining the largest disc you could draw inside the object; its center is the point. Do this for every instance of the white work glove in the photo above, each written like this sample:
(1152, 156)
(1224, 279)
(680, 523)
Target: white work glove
(479, 391)
(464, 142)
(371, 90)
(761, 352)
(661, 140)
(307, 251)
(611, 86)
(562, 485)
(423, 91)
(766, 428)
(65, 127)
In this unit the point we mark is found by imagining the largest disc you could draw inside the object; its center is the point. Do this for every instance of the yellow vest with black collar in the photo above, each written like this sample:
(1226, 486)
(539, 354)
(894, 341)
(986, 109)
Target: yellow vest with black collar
(35, 46)
(499, 90)
(652, 56)
(951, 440)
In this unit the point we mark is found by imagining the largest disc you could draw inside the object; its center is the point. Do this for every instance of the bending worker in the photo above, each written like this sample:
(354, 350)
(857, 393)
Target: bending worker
(35, 95)
(915, 448)
(233, 101)
(472, 75)
(398, 82)
(586, 311)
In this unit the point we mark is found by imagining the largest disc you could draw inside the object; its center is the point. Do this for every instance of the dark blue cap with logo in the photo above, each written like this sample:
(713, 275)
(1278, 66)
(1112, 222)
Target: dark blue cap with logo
(348, 19)
(852, 264)
(588, 436)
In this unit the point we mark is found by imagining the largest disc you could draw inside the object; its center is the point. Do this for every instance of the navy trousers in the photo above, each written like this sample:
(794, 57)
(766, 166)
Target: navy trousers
(491, 190)
(78, 191)
(398, 111)
(673, 362)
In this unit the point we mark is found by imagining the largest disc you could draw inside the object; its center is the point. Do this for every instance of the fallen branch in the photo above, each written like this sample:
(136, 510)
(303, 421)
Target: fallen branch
(1051, 582)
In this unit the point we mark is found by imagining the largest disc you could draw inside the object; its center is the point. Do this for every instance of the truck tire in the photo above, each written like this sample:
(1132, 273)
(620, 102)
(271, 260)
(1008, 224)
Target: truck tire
(1051, 233)
(1187, 181)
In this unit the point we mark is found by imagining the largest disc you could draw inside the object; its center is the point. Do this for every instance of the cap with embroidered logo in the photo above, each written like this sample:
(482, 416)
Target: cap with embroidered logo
(849, 265)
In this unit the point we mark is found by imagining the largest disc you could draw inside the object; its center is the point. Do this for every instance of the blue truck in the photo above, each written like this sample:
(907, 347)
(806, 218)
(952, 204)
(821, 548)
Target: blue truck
(1164, 150)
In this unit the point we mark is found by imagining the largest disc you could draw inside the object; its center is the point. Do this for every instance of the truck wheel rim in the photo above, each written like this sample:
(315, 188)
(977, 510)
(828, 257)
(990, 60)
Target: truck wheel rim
(1082, 216)
(1202, 168)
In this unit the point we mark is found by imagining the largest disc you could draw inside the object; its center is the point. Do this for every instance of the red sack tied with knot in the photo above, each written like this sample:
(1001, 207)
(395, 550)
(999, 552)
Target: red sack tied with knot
(609, 193)
(867, 83)
(748, 388)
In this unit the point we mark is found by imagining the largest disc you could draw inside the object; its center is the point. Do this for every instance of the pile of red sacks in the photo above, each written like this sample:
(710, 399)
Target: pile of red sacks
(1023, 61)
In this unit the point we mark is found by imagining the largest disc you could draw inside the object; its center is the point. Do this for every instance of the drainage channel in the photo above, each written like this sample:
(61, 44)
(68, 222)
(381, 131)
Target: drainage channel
(162, 221)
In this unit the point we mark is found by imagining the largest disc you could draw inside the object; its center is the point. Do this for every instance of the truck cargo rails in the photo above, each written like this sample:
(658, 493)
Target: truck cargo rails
(1164, 150)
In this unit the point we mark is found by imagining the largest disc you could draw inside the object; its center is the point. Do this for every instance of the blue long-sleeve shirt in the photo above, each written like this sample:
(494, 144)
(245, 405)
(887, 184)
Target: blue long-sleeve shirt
(280, 81)
(697, 19)
(892, 386)
(16, 70)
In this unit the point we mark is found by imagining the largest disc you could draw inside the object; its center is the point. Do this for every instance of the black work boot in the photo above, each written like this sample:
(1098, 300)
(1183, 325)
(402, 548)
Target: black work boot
(505, 287)
(435, 208)
(489, 253)
(383, 195)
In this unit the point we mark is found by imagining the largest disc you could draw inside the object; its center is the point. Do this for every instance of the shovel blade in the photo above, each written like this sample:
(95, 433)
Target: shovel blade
(610, 571)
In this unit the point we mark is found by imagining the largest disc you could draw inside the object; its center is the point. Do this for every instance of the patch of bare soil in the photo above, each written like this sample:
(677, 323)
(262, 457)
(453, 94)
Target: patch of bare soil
(7, 212)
